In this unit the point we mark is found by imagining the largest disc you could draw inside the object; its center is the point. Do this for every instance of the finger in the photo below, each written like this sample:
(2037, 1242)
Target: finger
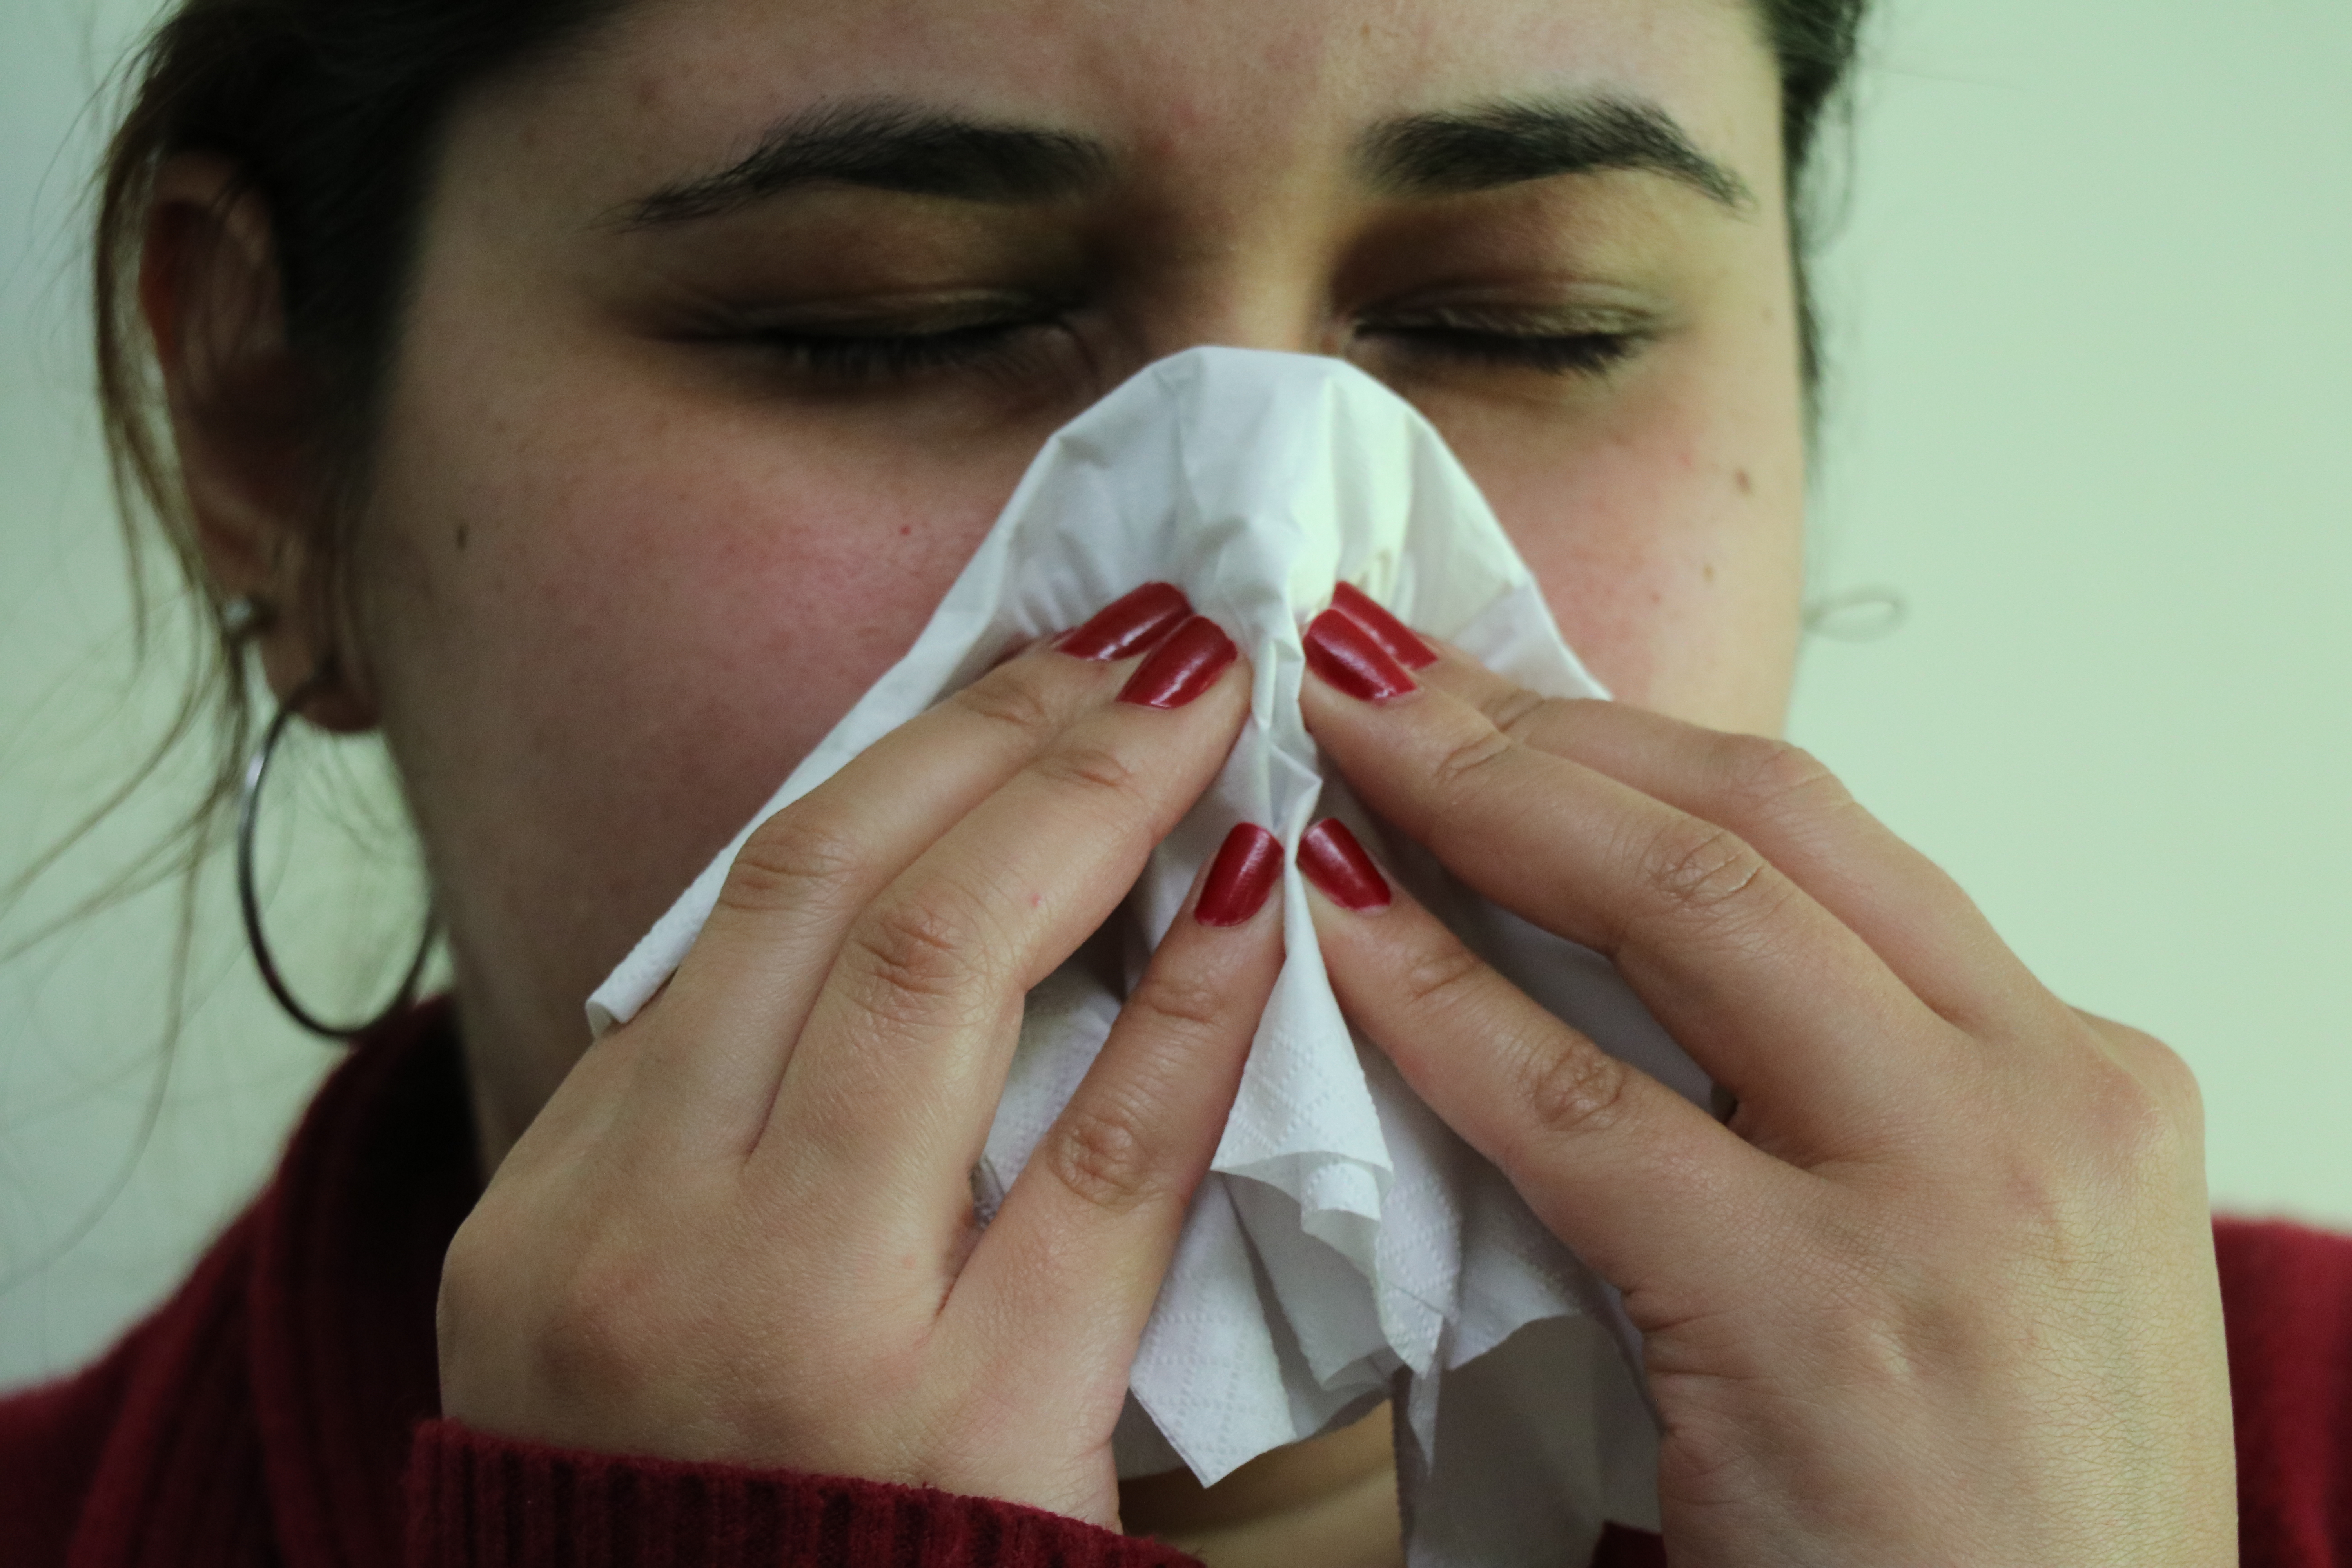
(1794, 812)
(906, 1048)
(1068, 1273)
(1780, 1001)
(744, 989)
(1638, 1181)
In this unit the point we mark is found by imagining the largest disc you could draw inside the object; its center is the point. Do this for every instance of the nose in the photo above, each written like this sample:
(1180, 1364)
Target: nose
(1231, 294)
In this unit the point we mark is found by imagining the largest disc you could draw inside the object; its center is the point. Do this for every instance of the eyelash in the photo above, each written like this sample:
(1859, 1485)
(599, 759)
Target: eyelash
(1551, 353)
(873, 359)
(881, 358)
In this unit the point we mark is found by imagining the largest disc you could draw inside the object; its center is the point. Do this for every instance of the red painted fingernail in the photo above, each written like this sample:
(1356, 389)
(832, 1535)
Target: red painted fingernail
(1182, 668)
(1246, 868)
(1392, 635)
(1344, 654)
(1128, 625)
(1336, 863)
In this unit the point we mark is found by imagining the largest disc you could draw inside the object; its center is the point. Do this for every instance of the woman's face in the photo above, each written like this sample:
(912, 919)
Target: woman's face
(731, 332)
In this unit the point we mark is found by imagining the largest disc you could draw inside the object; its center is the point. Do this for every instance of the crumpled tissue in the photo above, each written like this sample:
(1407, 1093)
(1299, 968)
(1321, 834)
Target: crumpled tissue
(1347, 1246)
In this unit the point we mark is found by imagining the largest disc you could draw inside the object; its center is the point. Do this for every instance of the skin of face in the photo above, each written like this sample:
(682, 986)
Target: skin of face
(625, 559)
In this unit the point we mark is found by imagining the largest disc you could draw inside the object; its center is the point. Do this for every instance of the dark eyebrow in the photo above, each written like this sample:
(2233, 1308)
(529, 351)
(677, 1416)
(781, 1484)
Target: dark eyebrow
(1509, 143)
(886, 146)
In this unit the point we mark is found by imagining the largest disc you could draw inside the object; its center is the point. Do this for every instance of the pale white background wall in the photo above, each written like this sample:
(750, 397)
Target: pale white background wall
(2093, 323)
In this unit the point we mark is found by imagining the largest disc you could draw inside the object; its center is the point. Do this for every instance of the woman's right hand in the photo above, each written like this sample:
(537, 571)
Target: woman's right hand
(743, 1228)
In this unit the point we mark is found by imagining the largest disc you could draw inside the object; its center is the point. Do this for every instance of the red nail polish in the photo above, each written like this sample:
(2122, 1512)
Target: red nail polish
(1128, 625)
(1344, 654)
(1333, 861)
(1246, 868)
(1182, 668)
(1393, 636)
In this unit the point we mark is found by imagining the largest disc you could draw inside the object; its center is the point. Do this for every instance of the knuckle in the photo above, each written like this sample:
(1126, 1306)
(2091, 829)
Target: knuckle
(2146, 1112)
(2164, 1071)
(1576, 1090)
(467, 1276)
(2112, 1150)
(1435, 981)
(1186, 1004)
(2136, 1103)
(1010, 696)
(600, 1328)
(1694, 868)
(482, 1287)
(1516, 712)
(798, 856)
(1775, 779)
(1102, 1151)
(1087, 769)
(1465, 762)
(914, 950)
(2170, 1076)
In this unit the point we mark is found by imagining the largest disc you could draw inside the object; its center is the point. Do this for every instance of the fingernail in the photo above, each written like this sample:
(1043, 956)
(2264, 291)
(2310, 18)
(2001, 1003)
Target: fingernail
(1182, 668)
(1333, 861)
(1344, 654)
(1393, 636)
(1246, 868)
(1128, 625)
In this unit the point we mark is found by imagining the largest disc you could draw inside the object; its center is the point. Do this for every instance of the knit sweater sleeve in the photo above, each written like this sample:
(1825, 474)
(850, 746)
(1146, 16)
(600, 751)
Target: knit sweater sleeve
(481, 1501)
(2286, 1298)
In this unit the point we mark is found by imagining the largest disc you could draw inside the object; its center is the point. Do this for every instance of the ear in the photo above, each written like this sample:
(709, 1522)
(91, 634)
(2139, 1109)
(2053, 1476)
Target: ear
(245, 424)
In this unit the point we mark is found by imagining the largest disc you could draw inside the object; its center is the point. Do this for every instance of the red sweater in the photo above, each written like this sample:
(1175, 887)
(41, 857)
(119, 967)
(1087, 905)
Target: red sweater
(281, 1410)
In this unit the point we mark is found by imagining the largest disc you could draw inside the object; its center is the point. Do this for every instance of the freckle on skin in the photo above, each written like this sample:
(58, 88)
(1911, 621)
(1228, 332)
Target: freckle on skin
(463, 535)
(1747, 486)
(1710, 571)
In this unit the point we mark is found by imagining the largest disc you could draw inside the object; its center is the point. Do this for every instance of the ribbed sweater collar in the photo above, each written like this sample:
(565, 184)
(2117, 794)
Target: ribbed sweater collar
(269, 1413)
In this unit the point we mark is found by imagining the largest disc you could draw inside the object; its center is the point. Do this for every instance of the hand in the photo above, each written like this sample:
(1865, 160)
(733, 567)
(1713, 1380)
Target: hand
(743, 1228)
(1943, 1290)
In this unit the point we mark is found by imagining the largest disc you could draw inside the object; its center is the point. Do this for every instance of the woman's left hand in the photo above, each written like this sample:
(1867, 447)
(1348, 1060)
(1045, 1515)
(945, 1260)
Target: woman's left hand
(1943, 1288)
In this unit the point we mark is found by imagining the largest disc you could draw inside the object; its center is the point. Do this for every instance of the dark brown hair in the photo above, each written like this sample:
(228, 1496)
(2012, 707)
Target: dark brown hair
(333, 110)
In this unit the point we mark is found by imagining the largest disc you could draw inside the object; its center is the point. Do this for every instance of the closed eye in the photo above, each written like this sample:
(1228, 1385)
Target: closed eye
(1551, 353)
(875, 358)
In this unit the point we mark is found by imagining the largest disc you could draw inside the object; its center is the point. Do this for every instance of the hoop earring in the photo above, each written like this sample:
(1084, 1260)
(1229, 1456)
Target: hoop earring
(257, 769)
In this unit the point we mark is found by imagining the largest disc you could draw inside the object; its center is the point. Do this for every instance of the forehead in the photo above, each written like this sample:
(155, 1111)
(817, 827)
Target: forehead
(1219, 88)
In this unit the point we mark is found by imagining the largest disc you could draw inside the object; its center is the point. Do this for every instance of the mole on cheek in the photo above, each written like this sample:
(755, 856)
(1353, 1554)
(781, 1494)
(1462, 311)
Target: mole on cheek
(463, 535)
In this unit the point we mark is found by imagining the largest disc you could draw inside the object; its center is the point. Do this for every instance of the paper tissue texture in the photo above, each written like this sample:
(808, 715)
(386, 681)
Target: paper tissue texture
(1346, 1247)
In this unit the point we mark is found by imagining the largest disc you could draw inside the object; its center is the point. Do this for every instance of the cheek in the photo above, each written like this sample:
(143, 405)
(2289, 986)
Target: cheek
(606, 622)
(1669, 543)
(592, 551)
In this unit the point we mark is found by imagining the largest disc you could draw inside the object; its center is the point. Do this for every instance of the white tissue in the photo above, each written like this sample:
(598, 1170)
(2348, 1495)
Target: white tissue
(1347, 1246)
